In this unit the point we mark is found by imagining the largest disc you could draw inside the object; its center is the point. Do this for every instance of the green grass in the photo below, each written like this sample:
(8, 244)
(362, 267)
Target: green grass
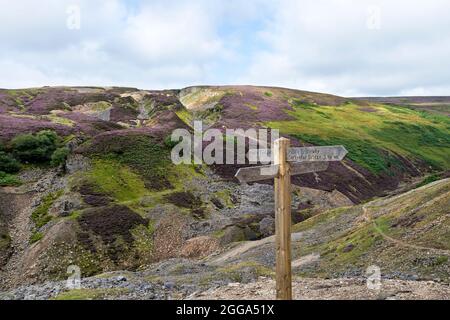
(185, 116)
(89, 294)
(136, 171)
(143, 155)
(428, 180)
(100, 106)
(60, 120)
(9, 180)
(268, 94)
(320, 218)
(112, 178)
(225, 196)
(201, 97)
(211, 115)
(414, 218)
(37, 236)
(251, 106)
(375, 140)
(40, 216)
(362, 152)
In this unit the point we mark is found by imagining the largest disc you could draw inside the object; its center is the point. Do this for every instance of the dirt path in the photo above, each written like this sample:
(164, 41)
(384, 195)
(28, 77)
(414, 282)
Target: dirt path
(336, 289)
(246, 246)
(20, 231)
(367, 217)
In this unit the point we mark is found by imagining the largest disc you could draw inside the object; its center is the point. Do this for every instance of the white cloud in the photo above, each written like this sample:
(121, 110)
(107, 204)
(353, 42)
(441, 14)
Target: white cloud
(326, 45)
(313, 45)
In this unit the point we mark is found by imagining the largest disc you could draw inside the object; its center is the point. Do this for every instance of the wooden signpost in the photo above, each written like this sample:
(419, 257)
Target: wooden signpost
(287, 162)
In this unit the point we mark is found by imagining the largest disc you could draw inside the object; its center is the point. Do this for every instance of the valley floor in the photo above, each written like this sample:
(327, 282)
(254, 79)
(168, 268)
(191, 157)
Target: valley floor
(335, 289)
(131, 287)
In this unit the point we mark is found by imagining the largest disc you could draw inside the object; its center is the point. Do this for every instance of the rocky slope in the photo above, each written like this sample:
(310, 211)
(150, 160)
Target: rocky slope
(405, 236)
(118, 203)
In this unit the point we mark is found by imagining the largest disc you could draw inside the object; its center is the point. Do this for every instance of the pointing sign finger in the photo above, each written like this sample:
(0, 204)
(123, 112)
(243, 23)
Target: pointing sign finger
(253, 174)
(324, 153)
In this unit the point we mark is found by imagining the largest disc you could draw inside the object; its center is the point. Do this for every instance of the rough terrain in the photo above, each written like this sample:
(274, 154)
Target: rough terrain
(116, 202)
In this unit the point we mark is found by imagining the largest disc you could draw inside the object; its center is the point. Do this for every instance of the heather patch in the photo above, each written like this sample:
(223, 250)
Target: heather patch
(187, 200)
(62, 98)
(114, 226)
(11, 126)
(146, 156)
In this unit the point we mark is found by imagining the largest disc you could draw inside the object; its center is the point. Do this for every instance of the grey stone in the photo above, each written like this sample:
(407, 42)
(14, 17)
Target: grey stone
(267, 226)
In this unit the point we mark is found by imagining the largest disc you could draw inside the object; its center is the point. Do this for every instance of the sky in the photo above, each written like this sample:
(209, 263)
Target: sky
(343, 47)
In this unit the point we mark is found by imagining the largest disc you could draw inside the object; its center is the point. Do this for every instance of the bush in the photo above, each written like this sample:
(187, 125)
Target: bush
(37, 236)
(8, 164)
(59, 156)
(36, 148)
(8, 180)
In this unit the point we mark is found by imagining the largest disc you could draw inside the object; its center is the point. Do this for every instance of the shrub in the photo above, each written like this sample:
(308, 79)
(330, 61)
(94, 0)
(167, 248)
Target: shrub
(8, 180)
(40, 216)
(8, 164)
(37, 236)
(59, 156)
(35, 148)
(169, 143)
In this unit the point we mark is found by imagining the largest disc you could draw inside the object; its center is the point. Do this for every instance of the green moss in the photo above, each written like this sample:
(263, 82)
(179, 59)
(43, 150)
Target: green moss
(211, 115)
(100, 106)
(75, 215)
(201, 97)
(251, 106)
(37, 236)
(225, 196)
(185, 116)
(90, 294)
(60, 120)
(219, 233)
(40, 216)
(112, 178)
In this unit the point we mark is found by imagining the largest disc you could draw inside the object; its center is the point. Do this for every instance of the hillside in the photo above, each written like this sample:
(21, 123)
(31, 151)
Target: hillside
(406, 236)
(86, 176)
(438, 105)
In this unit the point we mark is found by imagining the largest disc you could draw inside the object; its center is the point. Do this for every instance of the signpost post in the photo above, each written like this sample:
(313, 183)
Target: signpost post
(287, 161)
